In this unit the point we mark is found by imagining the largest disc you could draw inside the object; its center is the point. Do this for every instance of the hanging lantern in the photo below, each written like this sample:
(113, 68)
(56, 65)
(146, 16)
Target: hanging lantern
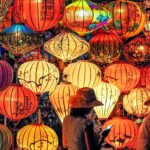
(17, 102)
(84, 17)
(122, 133)
(37, 137)
(123, 75)
(133, 102)
(128, 18)
(39, 76)
(19, 39)
(60, 99)
(67, 46)
(39, 15)
(108, 94)
(106, 47)
(82, 74)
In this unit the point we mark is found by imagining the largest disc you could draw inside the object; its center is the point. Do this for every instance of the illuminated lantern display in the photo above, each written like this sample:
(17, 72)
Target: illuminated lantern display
(39, 15)
(122, 133)
(6, 74)
(84, 17)
(138, 50)
(123, 75)
(5, 138)
(106, 47)
(60, 99)
(17, 102)
(82, 74)
(39, 76)
(19, 39)
(133, 102)
(67, 46)
(128, 18)
(108, 94)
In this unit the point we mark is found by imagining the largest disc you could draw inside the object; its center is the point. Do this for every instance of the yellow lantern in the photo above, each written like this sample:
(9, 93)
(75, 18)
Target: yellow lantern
(60, 99)
(108, 94)
(67, 46)
(37, 137)
(82, 74)
(39, 76)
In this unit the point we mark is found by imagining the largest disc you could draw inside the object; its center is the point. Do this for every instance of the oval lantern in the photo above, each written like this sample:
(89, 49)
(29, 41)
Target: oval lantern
(67, 46)
(17, 102)
(60, 99)
(37, 137)
(108, 94)
(39, 15)
(39, 76)
(6, 75)
(123, 75)
(82, 74)
(128, 18)
(133, 102)
(84, 17)
(122, 133)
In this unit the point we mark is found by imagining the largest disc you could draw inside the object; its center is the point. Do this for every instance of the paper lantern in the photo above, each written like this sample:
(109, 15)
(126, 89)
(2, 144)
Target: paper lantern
(37, 137)
(82, 74)
(123, 132)
(84, 17)
(17, 102)
(67, 46)
(60, 99)
(39, 76)
(39, 15)
(108, 94)
(128, 18)
(133, 102)
(123, 75)
(19, 39)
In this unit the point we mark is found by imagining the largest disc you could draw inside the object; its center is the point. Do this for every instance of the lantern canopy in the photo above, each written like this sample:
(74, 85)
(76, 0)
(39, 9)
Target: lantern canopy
(67, 46)
(37, 137)
(84, 17)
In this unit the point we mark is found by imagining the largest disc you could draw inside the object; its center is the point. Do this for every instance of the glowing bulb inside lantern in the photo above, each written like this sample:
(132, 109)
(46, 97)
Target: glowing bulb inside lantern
(83, 13)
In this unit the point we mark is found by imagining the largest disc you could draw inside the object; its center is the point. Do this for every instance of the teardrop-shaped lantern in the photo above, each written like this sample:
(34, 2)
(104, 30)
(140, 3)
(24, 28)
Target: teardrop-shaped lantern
(67, 46)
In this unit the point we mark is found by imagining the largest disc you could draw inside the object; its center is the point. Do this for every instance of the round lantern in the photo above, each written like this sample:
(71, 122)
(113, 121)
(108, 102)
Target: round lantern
(133, 102)
(106, 47)
(19, 39)
(84, 17)
(37, 137)
(39, 15)
(17, 102)
(82, 74)
(60, 99)
(123, 75)
(128, 18)
(108, 94)
(67, 46)
(122, 133)
(39, 76)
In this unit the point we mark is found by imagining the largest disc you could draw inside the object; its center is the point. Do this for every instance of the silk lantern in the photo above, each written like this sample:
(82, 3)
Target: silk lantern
(39, 15)
(60, 99)
(39, 76)
(17, 102)
(128, 18)
(84, 17)
(108, 94)
(37, 137)
(67, 46)
(123, 75)
(122, 133)
(82, 74)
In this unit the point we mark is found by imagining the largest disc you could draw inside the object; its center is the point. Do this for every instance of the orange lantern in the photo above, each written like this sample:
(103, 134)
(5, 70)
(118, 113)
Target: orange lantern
(17, 102)
(122, 133)
(123, 75)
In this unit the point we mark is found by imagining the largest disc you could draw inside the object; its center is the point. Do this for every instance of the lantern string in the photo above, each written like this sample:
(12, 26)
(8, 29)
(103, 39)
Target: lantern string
(5, 121)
